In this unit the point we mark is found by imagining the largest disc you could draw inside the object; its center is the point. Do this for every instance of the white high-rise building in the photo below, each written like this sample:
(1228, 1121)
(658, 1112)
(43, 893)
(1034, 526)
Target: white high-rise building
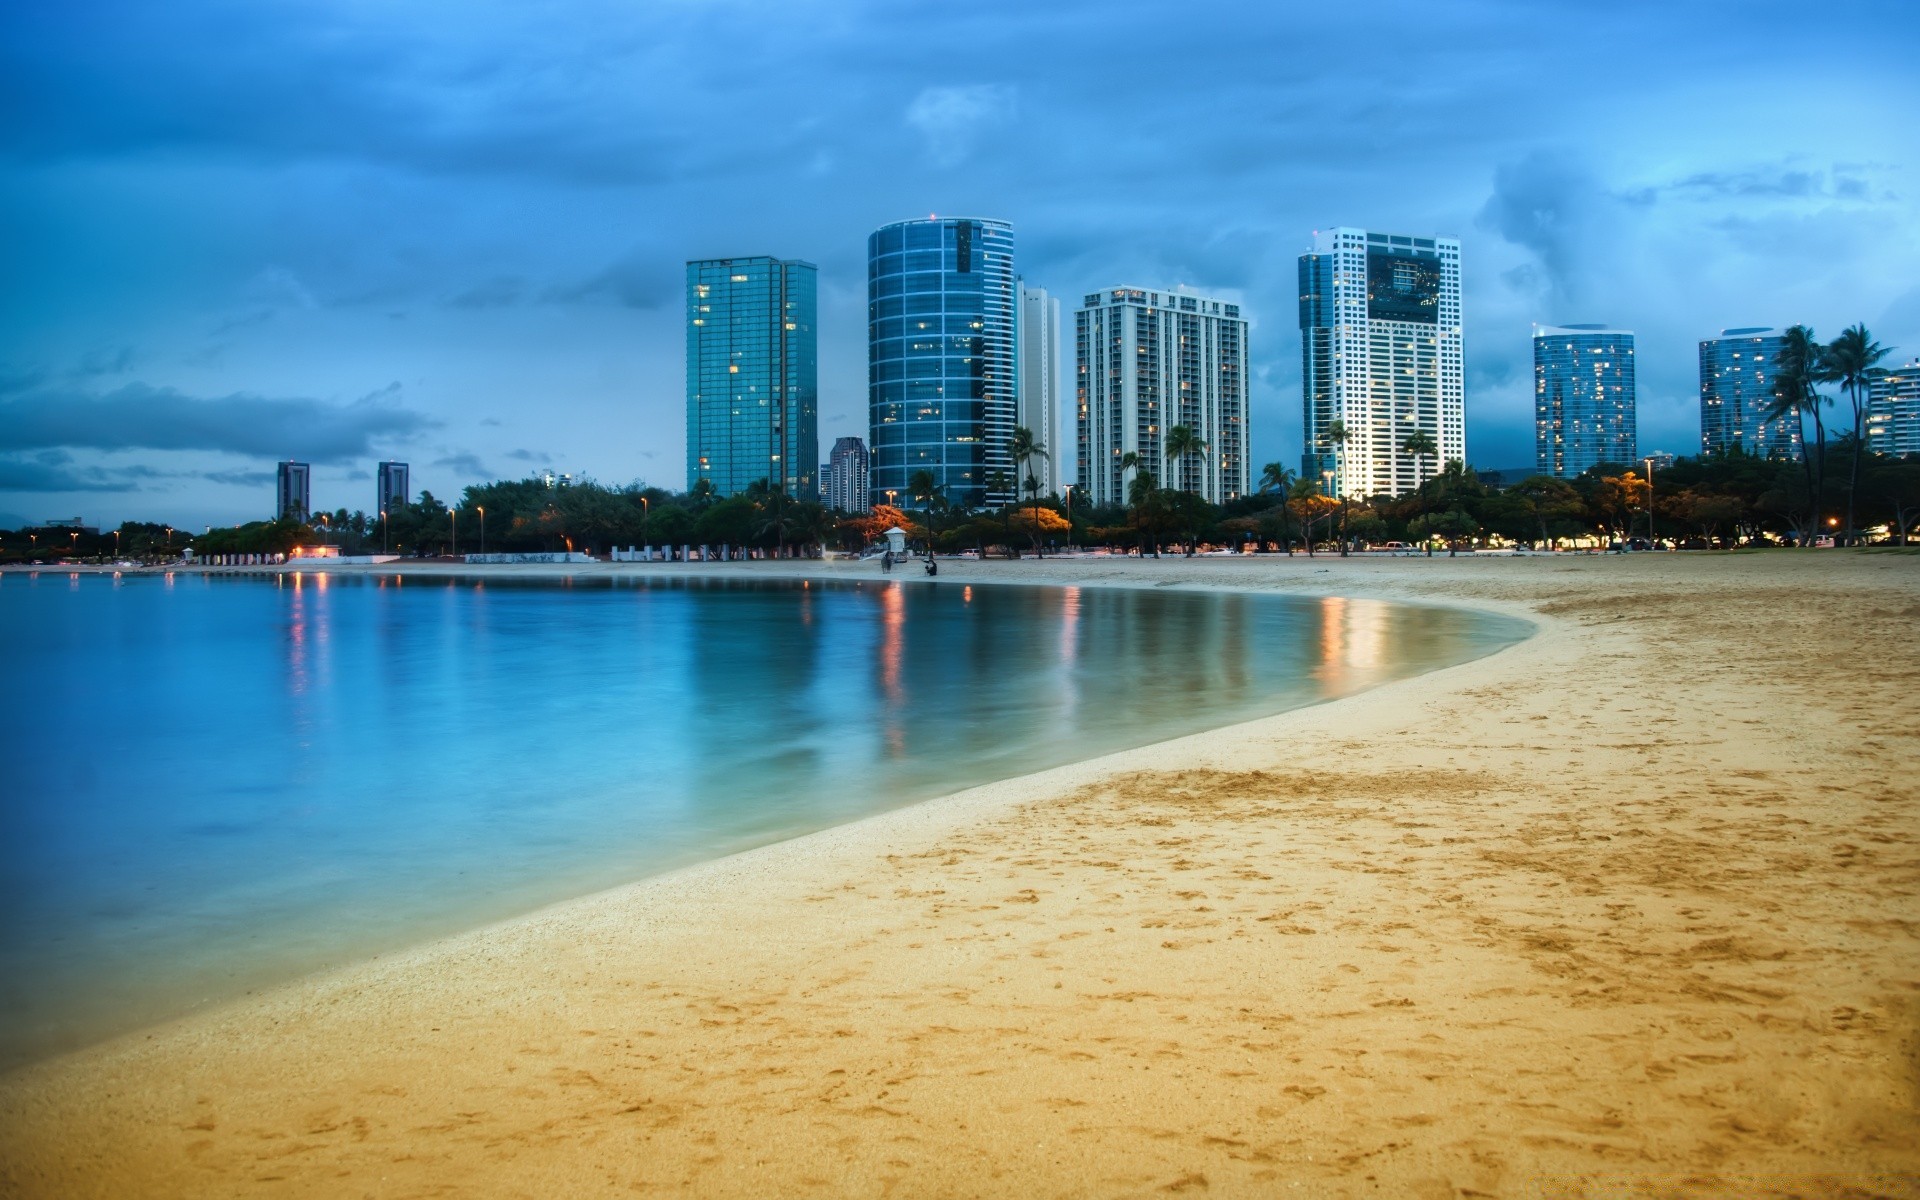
(847, 474)
(1893, 411)
(1150, 360)
(1381, 353)
(1039, 388)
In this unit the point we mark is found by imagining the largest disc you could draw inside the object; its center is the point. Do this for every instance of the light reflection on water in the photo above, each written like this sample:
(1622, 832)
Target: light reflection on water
(218, 782)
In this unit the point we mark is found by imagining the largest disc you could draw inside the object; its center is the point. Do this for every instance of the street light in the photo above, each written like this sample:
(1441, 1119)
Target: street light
(646, 515)
(1651, 541)
(483, 527)
(453, 534)
(383, 531)
(1068, 490)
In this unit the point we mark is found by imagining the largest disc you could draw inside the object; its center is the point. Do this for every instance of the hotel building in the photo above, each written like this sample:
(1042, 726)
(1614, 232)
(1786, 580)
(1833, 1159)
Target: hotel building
(848, 471)
(1381, 353)
(1893, 411)
(293, 495)
(1039, 388)
(1147, 361)
(1583, 398)
(1736, 389)
(942, 309)
(752, 374)
(392, 487)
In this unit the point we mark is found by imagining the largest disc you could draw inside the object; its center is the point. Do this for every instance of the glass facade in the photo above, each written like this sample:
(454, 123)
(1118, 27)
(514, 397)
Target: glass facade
(752, 374)
(1583, 399)
(1736, 388)
(942, 393)
(1893, 411)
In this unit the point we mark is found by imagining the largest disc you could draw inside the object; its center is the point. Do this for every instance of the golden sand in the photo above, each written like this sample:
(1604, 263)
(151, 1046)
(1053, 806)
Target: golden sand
(1632, 908)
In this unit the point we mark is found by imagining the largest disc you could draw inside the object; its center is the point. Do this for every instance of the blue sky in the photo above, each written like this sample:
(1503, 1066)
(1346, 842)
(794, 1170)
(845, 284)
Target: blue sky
(453, 233)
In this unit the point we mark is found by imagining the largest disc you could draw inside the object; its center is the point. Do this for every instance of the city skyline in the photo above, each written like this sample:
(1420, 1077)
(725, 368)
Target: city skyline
(470, 261)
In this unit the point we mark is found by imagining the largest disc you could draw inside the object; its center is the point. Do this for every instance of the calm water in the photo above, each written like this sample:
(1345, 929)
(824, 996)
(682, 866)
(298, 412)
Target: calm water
(214, 783)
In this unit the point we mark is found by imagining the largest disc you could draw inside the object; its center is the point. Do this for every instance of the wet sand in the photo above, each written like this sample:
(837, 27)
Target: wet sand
(1630, 908)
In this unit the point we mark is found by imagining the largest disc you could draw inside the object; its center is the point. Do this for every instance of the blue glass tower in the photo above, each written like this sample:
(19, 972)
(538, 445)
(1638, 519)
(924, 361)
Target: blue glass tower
(1584, 403)
(941, 308)
(1736, 390)
(752, 374)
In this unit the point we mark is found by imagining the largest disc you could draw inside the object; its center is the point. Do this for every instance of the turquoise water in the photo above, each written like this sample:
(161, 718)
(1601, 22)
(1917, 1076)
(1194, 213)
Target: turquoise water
(215, 783)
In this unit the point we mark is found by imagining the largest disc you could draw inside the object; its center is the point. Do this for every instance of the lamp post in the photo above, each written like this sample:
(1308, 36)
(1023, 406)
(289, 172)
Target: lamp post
(453, 534)
(483, 527)
(383, 531)
(1068, 490)
(1651, 543)
(646, 516)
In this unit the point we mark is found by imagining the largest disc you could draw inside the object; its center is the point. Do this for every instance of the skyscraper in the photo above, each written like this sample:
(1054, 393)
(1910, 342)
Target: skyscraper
(1148, 361)
(847, 476)
(752, 374)
(293, 496)
(1040, 387)
(1893, 411)
(941, 313)
(1381, 353)
(1736, 388)
(393, 487)
(1583, 398)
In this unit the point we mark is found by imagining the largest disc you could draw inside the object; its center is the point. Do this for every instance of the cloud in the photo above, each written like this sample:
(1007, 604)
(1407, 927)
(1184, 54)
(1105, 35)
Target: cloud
(639, 279)
(1554, 206)
(141, 417)
(55, 472)
(951, 119)
(529, 456)
(465, 464)
(500, 291)
(248, 479)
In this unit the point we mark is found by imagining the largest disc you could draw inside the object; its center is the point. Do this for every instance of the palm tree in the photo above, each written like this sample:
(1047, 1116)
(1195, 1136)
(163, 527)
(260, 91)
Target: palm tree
(1276, 478)
(1002, 481)
(1420, 444)
(1337, 439)
(1142, 493)
(1848, 360)
(1184, 441)
(1025, 449)
(924, 487)
(1799, 368)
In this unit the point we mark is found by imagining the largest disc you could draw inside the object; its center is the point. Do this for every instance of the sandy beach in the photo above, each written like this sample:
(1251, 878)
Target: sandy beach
(1630, 908)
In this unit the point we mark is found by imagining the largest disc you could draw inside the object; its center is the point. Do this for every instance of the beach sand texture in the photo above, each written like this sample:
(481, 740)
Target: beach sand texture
(1632, 908)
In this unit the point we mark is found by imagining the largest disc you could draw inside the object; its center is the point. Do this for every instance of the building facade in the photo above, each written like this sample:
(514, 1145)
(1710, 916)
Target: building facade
(1736, 389)
(752, 374)
(1039, 388)
(1893, 411)
(393, 487)
(849, 476)
(1583, 398)
(293, 492)
(1146, 361)
(942, 313)
(1382, 355)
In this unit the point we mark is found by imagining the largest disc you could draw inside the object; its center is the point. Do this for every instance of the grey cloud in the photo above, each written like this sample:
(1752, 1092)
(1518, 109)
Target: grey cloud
(1555, 207)
(952, 119)
(639, 279)
(240, 478)
(56, 473)
(464, 463)
(529, 456)
(497, 292)
(138, 416)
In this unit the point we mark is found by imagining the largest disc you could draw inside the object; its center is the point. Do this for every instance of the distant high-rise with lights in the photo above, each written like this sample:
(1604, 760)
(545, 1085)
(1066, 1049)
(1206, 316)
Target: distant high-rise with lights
(393, 488)
(752, 374)
(1736, 390)
(293, 495)
(1146, 361)
(942, 308)
(1893, 411)
(1382, 355)
(1583, 398)
(847, 471)
(1040, 388)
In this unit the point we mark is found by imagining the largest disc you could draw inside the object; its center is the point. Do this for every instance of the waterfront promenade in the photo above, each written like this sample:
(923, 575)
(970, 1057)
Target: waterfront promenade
(1630, 908)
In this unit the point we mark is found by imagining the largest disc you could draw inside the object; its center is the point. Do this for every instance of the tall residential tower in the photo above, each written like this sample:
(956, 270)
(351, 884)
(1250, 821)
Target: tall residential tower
(1381, 353)
(1583, 398)
(1893, 411)
(393, 487)
(941, 326)
(1148, 361)
(847, 472)
(293, 497)
(752, 374)
(1736, 389)
(1040, 388)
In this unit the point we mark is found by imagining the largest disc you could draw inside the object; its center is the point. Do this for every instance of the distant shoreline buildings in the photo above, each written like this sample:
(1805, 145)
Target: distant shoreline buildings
(1584, 398)
(1893, 410)
(752, 374)
(1736, 391)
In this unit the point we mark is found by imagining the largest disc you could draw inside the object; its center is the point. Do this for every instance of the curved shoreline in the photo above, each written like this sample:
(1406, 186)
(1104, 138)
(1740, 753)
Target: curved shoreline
(1608, 910)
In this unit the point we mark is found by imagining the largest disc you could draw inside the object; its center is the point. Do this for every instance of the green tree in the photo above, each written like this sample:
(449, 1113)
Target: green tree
(1183, 442)
(1547, 499)
(1143, 500)
(924, 487)
(1024, 449)
(1798, 370)
(1278, 480)
(1849, 360)
(1421, 445)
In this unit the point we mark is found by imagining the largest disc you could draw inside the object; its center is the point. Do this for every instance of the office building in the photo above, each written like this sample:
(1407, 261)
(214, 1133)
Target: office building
(1039, 389)
(847, 476)
(752, 374)
(1382, 355)
(394, 491)
(293, 492)
(1147, 361)
(1893, 411)
(941, 310)
(1736, 390)
(1583, 398)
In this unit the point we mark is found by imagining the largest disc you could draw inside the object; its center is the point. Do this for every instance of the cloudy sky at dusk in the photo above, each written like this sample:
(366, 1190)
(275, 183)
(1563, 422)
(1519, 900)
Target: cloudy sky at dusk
(453, 233)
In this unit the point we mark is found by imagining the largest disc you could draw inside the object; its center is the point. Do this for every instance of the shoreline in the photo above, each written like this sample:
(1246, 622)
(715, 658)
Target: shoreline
(1036, 861)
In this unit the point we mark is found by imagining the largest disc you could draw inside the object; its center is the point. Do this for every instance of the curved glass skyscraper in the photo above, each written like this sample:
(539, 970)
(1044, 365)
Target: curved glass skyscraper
(941, 307)
(1585, 406)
